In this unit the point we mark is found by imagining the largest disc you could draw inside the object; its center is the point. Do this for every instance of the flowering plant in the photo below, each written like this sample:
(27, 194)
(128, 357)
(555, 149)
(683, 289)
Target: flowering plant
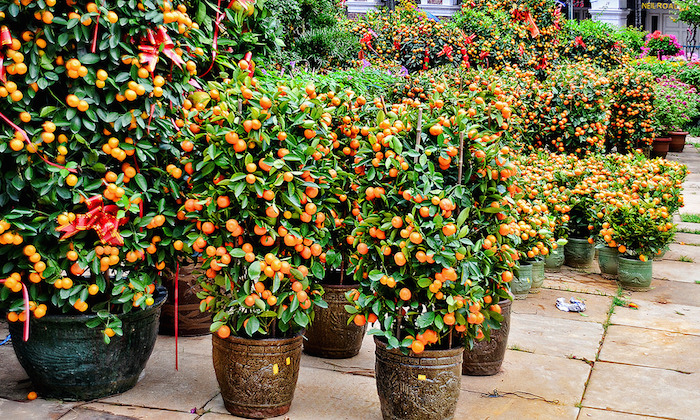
(661, 45)
(675, 103)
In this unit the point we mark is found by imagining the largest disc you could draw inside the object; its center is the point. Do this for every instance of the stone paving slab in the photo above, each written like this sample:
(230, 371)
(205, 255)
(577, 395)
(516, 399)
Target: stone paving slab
(595, 414)
(98, 411)
(667, 317)
(322, 394)
(676, 271)
(37, 409)
(643, 390)
(665, 291)
(677, 252)
(573, 281)
(555, 336)
(166, 388)
(475, 405)
(539, 376)
(543, 304)
(364, 361)
(688, 238)
(641, 346)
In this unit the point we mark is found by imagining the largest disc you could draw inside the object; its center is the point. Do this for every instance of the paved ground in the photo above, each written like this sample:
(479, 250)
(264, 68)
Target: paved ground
(611, 362)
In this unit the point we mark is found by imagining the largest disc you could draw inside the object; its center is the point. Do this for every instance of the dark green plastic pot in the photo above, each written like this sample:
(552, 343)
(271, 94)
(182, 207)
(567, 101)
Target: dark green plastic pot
(634, 274)
(69, 361)
(522, 281)
(579, 253)
(607, 260)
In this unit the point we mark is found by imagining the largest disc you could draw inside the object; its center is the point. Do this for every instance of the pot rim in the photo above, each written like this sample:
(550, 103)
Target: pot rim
(259, 341)
(159, 300)
(435, 353)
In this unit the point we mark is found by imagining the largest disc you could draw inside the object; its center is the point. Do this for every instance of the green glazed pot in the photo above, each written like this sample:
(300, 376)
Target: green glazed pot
(634, 274)
(537, 275)
(418, 387)
(607, 260)
(555, 259)
(522, 281)
(579, 253)
(87, 368)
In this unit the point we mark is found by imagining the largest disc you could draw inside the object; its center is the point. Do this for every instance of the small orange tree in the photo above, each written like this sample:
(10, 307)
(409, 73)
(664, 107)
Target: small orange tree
(261, 178)
(434, 248)
(89, 93)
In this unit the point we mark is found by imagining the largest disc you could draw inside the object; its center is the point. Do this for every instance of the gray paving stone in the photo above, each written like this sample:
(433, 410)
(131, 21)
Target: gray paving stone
(364, 361)
(554, 379)
(474, 405)
(165, 388)
(595, 414)
(543, 304)
(37, 409)
(667, 291)
(98, 411)
(643, 390)
(675, 270)
(555, 336)
(324, 394)
(677, 252)
(573, 281)
(652, 348)
(667, 317)
(688, 238)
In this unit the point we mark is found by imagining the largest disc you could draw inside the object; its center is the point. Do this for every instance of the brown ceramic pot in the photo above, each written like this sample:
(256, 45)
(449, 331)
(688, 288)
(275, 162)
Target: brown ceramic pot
(257, 377)
(329, 335)
(677, 141)
(660, 147)
(486, 357)
(418, 387)
(191, 321)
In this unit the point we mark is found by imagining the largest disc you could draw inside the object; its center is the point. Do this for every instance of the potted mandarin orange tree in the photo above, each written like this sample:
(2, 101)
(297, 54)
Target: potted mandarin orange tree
(87, 92)
(433, 262)
(259, 184)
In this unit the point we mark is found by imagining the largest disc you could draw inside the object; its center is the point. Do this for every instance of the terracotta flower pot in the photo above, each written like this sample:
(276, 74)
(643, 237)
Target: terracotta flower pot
(257, 377)
(329, 335)
(677, 141)
(418, 387)
(660, 147)
(486, 357)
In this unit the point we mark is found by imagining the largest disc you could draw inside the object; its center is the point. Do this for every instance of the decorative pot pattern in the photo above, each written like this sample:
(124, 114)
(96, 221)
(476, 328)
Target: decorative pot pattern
(537, 275)
(522, 281)
(330, 336)
(418, 387)
(579, 253)
(555, 259)
(634, 274)
(486, 357)
(257, 377)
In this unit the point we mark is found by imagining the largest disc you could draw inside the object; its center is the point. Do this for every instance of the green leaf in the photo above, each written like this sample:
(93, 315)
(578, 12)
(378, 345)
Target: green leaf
(141, 182)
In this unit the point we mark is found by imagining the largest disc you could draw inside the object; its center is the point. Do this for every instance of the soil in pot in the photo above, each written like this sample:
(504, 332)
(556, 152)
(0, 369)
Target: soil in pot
(88, 368)
(660, 147)
(486, 357)
(418, 387)
(579, 253)
(677, 141)
(191, 321)
(634, 274)
(607, 260)
(555, 259)
(257, 377)
(329, 335)
(522, 281)
(537, 275)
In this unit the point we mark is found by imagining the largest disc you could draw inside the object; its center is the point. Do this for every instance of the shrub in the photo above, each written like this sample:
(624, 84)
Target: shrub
(676, 104)
(661, 45)
(594, 41)
(632, 107)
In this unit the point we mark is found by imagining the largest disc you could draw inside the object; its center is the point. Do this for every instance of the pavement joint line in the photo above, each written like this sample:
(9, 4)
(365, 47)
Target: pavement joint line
(645, 366)
(606, 324)
(518, 394)
(657, 329)
(612, 410)
(116, 404)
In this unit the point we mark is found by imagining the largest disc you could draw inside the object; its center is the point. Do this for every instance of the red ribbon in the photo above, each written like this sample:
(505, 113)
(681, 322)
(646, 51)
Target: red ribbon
(578, 42)
(25, 297)
(101, 218)
(5, 40)
(153, 44)
(446, 50)
(26, 140)
(215, 42)
(177, 307)
(94, 34)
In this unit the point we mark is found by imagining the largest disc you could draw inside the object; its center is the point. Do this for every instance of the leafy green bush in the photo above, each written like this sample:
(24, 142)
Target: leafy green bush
(329, 47)
(595, 41)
